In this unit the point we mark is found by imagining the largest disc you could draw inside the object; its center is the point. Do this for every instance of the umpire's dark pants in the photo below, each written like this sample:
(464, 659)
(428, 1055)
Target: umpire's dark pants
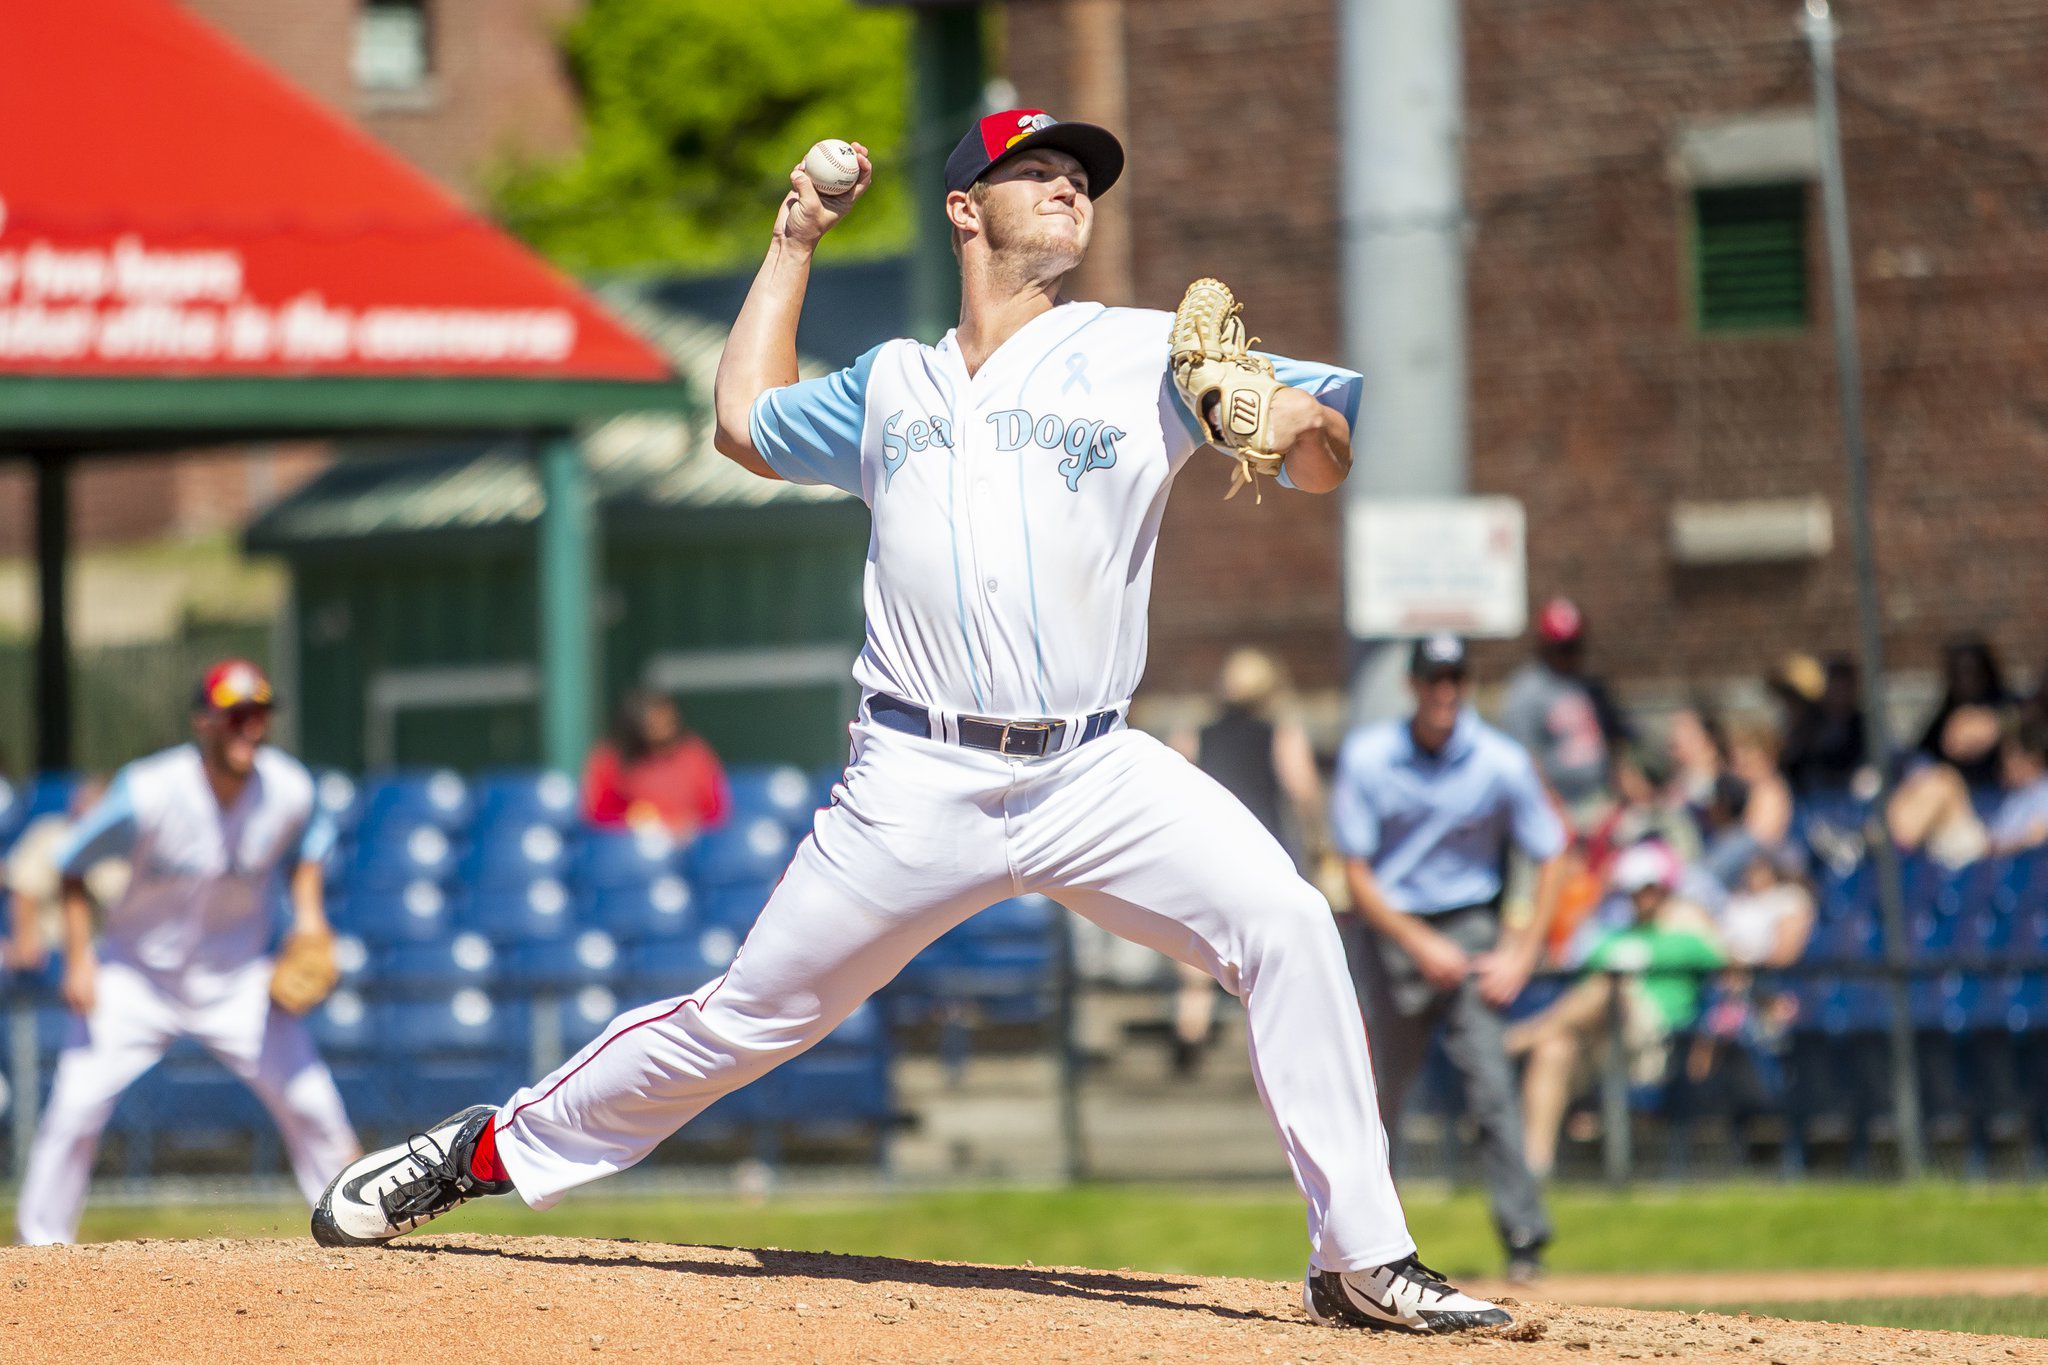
(1404, 1012)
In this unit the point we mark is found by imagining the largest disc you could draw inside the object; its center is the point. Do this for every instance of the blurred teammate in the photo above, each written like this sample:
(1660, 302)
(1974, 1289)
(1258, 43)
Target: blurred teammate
(1425, 811)
(183, 952)
(1016, 473)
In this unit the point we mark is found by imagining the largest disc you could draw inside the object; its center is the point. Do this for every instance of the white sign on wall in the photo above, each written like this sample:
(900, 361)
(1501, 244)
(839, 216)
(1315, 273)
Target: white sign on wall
(1417, 565)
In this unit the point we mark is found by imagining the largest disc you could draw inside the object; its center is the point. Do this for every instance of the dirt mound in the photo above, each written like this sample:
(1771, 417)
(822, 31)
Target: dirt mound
(509, 1298)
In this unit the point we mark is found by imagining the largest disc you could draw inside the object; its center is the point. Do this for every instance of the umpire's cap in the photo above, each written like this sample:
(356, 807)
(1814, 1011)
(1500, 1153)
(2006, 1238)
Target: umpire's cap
(997, 137)
(1438, 656)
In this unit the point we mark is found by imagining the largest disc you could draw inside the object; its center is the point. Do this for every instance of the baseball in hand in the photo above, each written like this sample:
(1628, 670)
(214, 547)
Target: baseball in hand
(832, 166)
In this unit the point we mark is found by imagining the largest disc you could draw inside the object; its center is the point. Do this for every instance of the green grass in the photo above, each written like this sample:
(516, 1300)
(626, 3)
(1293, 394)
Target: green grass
(2017, 1316)
(1260, 1231)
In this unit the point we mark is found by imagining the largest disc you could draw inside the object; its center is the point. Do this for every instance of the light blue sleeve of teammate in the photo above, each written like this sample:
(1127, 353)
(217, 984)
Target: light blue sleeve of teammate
(1354, 824)
(1538, 831)
(318, 838)
(1335, 388)
(108, 830)
(810, 432)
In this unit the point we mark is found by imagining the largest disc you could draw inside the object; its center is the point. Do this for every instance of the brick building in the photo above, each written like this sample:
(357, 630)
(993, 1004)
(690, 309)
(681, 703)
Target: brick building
(1651, 370)
(455, 87)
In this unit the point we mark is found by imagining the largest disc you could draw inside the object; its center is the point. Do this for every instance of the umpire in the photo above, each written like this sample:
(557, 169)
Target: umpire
(1423, 811)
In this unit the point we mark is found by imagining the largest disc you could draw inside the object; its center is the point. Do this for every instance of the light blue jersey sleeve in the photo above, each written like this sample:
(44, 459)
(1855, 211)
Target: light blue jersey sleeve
(810, 432)
(108, 830)
(1335, 388)
(1354, 824)
(1538, 831)
(318, 838)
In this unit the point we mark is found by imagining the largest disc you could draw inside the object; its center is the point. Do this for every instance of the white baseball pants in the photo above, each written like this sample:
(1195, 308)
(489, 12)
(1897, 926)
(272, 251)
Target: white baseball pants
(134, 1021)
(921, 835)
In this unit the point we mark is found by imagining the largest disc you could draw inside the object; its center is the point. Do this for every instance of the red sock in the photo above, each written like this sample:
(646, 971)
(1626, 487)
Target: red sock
(483, 1162)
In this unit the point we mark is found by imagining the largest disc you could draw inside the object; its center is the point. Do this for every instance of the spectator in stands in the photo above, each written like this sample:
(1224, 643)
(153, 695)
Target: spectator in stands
(654, 773)
(1770, 917)
(1797, 685)
(1265, 760)
(35, 910)
(1932, 809)
(1636, 812)
(1826, 756)
(1964, 730)
(1767, 923)
(1753, 758)
(1659, 965)
(1698, 752)
(1563, 717)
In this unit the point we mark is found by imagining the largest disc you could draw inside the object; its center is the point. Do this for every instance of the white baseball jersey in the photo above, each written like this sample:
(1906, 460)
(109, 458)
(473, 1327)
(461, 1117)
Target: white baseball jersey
(1015, 511)
(199, 896)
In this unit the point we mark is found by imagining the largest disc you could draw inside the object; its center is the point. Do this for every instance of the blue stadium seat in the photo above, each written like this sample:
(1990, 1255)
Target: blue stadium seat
(781, 793)
(615, 857)
(409, 797)
(661, 908)
(1932, 933)
(505, 854)
(417, 911)
(351, 957)
(539, 910)
(342, 1025)
(591, 958)
(843, 1081)
(734, 907)
(522, 797)
(190, 1098)
(399, 853)
(584, 1014)
(49, 794)
(464, 959)
(661, 968)
(466, 1020)
(341, 800)
(740, 851)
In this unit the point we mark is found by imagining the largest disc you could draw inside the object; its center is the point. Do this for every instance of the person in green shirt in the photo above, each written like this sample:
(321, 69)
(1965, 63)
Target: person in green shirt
(1662, 963)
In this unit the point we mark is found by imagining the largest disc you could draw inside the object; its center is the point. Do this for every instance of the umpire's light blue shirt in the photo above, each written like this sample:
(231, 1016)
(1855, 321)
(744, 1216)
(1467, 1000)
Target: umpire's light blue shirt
(1435, 827)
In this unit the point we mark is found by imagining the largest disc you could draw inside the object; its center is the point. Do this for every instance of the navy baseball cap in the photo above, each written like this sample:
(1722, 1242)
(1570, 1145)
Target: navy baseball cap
(999, 136)
(1436, 656)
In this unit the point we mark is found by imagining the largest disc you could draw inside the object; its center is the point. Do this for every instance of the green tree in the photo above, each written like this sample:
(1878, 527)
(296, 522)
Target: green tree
(694, 112)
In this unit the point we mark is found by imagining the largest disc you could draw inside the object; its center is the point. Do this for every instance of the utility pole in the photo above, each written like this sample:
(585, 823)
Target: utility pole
(1820, 31)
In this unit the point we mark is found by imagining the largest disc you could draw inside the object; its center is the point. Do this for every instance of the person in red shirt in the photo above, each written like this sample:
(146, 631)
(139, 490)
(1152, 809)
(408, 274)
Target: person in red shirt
(653, 772)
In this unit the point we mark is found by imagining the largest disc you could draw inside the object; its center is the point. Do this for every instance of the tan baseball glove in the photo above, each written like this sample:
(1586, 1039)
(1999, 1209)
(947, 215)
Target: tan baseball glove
(1229, 389)
(305, 973)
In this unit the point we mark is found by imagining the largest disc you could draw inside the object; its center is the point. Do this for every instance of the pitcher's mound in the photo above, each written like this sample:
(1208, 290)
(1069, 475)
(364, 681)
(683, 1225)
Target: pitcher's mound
(461, 1298)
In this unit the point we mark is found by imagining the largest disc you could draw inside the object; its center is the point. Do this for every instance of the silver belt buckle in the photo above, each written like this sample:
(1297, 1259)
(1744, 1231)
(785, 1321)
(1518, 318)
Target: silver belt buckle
(1024, 726)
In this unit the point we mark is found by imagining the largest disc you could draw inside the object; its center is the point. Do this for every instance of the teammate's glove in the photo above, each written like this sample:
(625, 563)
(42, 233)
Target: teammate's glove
(1229, 389)
(305, 973)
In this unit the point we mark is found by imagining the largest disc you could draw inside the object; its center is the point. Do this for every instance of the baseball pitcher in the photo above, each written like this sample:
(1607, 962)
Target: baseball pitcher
(1016, 473)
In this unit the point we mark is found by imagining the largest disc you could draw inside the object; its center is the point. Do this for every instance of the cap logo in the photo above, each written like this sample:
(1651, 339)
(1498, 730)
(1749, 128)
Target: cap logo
(1028, 125)
(1000, 132)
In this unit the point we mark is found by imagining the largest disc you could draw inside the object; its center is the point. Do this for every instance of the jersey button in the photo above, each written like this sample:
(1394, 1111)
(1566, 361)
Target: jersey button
(991, 585)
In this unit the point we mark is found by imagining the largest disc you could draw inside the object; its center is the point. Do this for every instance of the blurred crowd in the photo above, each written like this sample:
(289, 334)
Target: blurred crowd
(1690, 848)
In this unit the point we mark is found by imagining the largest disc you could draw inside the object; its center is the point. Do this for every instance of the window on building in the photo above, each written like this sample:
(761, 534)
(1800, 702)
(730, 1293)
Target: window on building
(1749, 257)
(392, 51)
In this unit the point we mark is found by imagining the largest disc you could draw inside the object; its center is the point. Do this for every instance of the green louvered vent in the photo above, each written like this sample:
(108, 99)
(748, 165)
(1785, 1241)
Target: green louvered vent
(1749, 249)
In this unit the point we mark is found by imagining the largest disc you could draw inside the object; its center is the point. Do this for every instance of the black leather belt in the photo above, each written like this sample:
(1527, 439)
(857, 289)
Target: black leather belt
(1011, 738)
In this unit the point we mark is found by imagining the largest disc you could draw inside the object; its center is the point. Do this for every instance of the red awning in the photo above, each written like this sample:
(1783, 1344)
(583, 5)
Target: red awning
(169, 206)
